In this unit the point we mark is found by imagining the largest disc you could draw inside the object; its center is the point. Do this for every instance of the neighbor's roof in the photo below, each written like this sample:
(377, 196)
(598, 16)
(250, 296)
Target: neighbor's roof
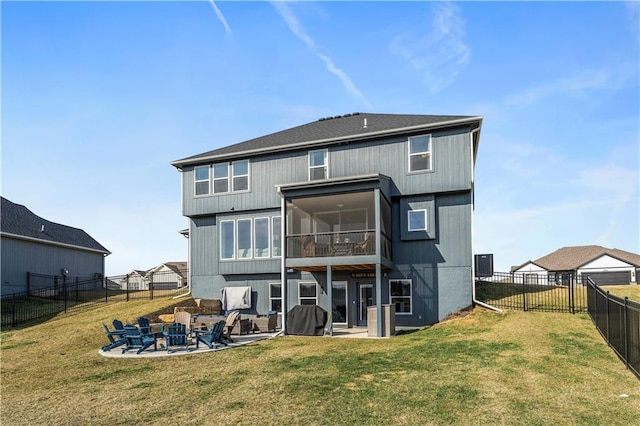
(19, 222)
(570, 258)
(178, 267)
(330, 130)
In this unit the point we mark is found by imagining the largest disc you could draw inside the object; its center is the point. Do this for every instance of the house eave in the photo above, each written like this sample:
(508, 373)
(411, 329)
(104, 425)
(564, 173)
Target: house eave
(54, 243)
(179, 164)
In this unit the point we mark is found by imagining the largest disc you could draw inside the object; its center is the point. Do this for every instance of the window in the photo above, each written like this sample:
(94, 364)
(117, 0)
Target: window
(220, 178)
(261, 237)
(250, 238)
(227, 239)
(276, 229)
(318, 164)
(275, 297)
(400, 294)
(420, 153)
(244, 238)
(202, 180)
(240, 175)
(417, 220)
(308, 293)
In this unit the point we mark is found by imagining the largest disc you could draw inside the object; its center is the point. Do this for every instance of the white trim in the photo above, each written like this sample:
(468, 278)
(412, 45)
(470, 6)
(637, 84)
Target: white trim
(410, 297)
(426, 220)
(53, 243)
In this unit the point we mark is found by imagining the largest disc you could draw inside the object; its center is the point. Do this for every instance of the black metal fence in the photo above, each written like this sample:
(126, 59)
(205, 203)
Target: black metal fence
(49, 295)
(618, 321)
(532, 292)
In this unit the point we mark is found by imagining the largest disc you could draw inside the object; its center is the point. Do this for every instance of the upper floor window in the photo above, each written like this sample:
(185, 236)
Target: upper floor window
(240, 175)
(261, 237)
(202, 180)
(220, 178)
(417, 220)
(318, 164)
(400, 294)
(225, 178)
(420, 153)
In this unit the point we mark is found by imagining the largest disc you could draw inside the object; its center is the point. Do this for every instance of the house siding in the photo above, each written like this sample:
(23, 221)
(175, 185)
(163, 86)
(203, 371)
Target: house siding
(21, 256)
(439, 261)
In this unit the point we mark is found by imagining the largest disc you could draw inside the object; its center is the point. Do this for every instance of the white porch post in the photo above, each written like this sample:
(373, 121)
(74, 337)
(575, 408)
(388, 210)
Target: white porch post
(378, 221)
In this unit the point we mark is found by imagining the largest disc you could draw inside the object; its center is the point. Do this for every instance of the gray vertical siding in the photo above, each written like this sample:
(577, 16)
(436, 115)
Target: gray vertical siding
(451, 152)
(439, 264)
(20, 257)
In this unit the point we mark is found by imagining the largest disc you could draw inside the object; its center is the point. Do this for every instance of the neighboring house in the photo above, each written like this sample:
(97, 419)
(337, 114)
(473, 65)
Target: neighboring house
(169, 275)
(345, 212)
(603, 265)
(135, 280)
(33, 244)
(166, 276)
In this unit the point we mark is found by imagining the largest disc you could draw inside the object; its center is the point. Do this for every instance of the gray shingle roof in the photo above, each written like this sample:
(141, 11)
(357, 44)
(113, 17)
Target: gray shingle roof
(18, 220)
(570, 258)
(326, 130)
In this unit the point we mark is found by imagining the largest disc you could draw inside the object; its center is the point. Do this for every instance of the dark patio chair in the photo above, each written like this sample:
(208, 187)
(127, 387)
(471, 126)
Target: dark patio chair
(115, 336)
(145, 327)
(211, 336)
(137, 340)
(177, 335)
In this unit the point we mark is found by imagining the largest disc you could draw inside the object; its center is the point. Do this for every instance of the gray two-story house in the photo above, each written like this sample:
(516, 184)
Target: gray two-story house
(345, 212)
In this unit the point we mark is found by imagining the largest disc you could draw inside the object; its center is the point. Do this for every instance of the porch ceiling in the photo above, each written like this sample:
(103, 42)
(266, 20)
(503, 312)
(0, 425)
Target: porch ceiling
(323, 268)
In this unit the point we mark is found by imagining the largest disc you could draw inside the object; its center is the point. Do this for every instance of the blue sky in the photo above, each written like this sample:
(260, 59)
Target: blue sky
(98, 98)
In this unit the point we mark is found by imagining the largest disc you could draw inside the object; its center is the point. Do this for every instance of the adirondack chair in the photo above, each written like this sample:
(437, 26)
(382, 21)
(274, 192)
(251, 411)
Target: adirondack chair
(137, 340)
(229, 324)
(177, 335)
(211, 336)
(115, 336)
(145, 327)
(182, 317)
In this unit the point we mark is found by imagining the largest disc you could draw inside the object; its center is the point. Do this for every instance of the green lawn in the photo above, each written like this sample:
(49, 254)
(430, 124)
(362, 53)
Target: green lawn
(516, 368)
(630, 291)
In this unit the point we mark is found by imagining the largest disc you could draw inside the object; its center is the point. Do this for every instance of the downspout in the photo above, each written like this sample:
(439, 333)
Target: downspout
(473, 202)
(283, 260)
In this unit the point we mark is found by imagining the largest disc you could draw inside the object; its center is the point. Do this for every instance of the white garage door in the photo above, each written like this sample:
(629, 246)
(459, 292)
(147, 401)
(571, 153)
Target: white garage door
(610, 278)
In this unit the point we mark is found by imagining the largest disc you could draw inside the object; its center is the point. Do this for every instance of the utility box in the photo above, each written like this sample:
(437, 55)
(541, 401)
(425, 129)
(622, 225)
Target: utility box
(388, 321)
(484, 265)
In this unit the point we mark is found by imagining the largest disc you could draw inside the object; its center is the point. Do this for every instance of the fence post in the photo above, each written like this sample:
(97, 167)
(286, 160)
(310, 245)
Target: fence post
(127, 287)
(77, 295)
(626, 332)
(151, 290)
(572, 282)
(13, 311)
(65, 293)
(607, 302)
(28, 283)
(524, 294)
(106, 289)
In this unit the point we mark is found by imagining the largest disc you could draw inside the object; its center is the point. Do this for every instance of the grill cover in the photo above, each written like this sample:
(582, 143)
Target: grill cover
(306, 320)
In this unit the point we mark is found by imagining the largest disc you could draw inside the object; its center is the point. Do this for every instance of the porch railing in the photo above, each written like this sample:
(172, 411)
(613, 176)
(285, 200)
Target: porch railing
(330, 244)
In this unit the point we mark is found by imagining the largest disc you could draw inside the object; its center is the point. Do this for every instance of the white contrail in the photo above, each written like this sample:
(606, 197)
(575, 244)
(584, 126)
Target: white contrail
(227, 28)
(297, 29)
